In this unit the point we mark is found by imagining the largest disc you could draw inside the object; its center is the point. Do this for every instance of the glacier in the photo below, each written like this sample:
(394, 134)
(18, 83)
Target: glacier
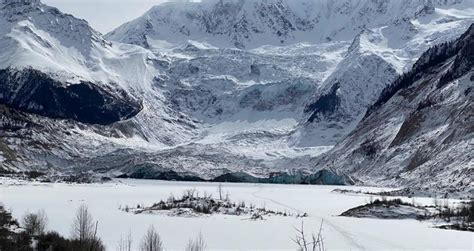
(255, 87)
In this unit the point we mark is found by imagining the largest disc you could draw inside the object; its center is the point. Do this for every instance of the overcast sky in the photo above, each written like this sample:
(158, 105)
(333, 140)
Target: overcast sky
(104, 15)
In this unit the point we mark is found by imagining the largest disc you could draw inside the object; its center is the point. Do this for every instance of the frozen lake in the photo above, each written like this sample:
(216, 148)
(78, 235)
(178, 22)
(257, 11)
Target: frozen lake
(229, 232)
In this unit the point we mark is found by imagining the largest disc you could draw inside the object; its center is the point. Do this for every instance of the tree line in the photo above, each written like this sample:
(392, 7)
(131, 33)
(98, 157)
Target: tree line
(30, 234)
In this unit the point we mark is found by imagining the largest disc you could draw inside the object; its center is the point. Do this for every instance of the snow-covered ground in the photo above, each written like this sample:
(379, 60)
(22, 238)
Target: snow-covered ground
(229, 232)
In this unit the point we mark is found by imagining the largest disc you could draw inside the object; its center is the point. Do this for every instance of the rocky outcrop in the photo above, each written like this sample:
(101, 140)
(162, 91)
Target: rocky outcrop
(32, 91)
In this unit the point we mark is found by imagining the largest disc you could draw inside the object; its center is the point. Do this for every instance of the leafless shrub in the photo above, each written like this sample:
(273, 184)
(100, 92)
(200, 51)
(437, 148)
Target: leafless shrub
(35, 223)
(197, 244)
(151, 241)
(125, 243)
(315, 243)
(190, 193)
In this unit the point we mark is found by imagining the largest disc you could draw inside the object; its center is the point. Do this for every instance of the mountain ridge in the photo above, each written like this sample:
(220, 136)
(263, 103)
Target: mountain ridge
(250, 24)
(204, 111)
(421, 135)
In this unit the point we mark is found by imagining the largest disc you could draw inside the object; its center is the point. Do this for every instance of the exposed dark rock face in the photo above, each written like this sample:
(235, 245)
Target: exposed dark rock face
(463, 52)
(35, 92)
(326, 104)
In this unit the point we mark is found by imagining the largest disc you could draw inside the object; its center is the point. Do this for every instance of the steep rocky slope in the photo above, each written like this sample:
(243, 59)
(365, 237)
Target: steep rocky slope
(420, 132)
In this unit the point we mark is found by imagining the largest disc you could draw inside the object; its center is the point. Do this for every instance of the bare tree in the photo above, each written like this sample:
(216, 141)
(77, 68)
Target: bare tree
(83, 226)
(197, 244)
(35, 223)
(125, 243)
(316, 243)
(151, 241)
(84, 230)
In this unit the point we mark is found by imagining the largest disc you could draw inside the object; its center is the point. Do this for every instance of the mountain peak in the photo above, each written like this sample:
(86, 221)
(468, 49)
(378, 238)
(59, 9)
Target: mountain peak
(28, 2)
(47, 25)
(250, 24)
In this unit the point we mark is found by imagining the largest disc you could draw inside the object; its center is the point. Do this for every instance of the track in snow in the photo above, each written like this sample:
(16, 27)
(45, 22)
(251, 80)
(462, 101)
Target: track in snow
(354, 243)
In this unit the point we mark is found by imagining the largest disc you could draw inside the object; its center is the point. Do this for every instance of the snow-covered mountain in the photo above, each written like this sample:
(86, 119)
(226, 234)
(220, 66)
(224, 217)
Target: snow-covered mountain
(50, 61)
(383, 38)
(41, 37)
(208, 89)
(419, 133)
(65, 90)
(253, 23)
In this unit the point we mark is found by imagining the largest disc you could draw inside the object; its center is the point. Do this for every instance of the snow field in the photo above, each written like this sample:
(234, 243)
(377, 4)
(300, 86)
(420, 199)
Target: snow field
(230, 232)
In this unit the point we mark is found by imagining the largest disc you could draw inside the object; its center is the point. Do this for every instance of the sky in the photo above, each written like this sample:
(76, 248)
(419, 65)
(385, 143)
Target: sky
(104, 15)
